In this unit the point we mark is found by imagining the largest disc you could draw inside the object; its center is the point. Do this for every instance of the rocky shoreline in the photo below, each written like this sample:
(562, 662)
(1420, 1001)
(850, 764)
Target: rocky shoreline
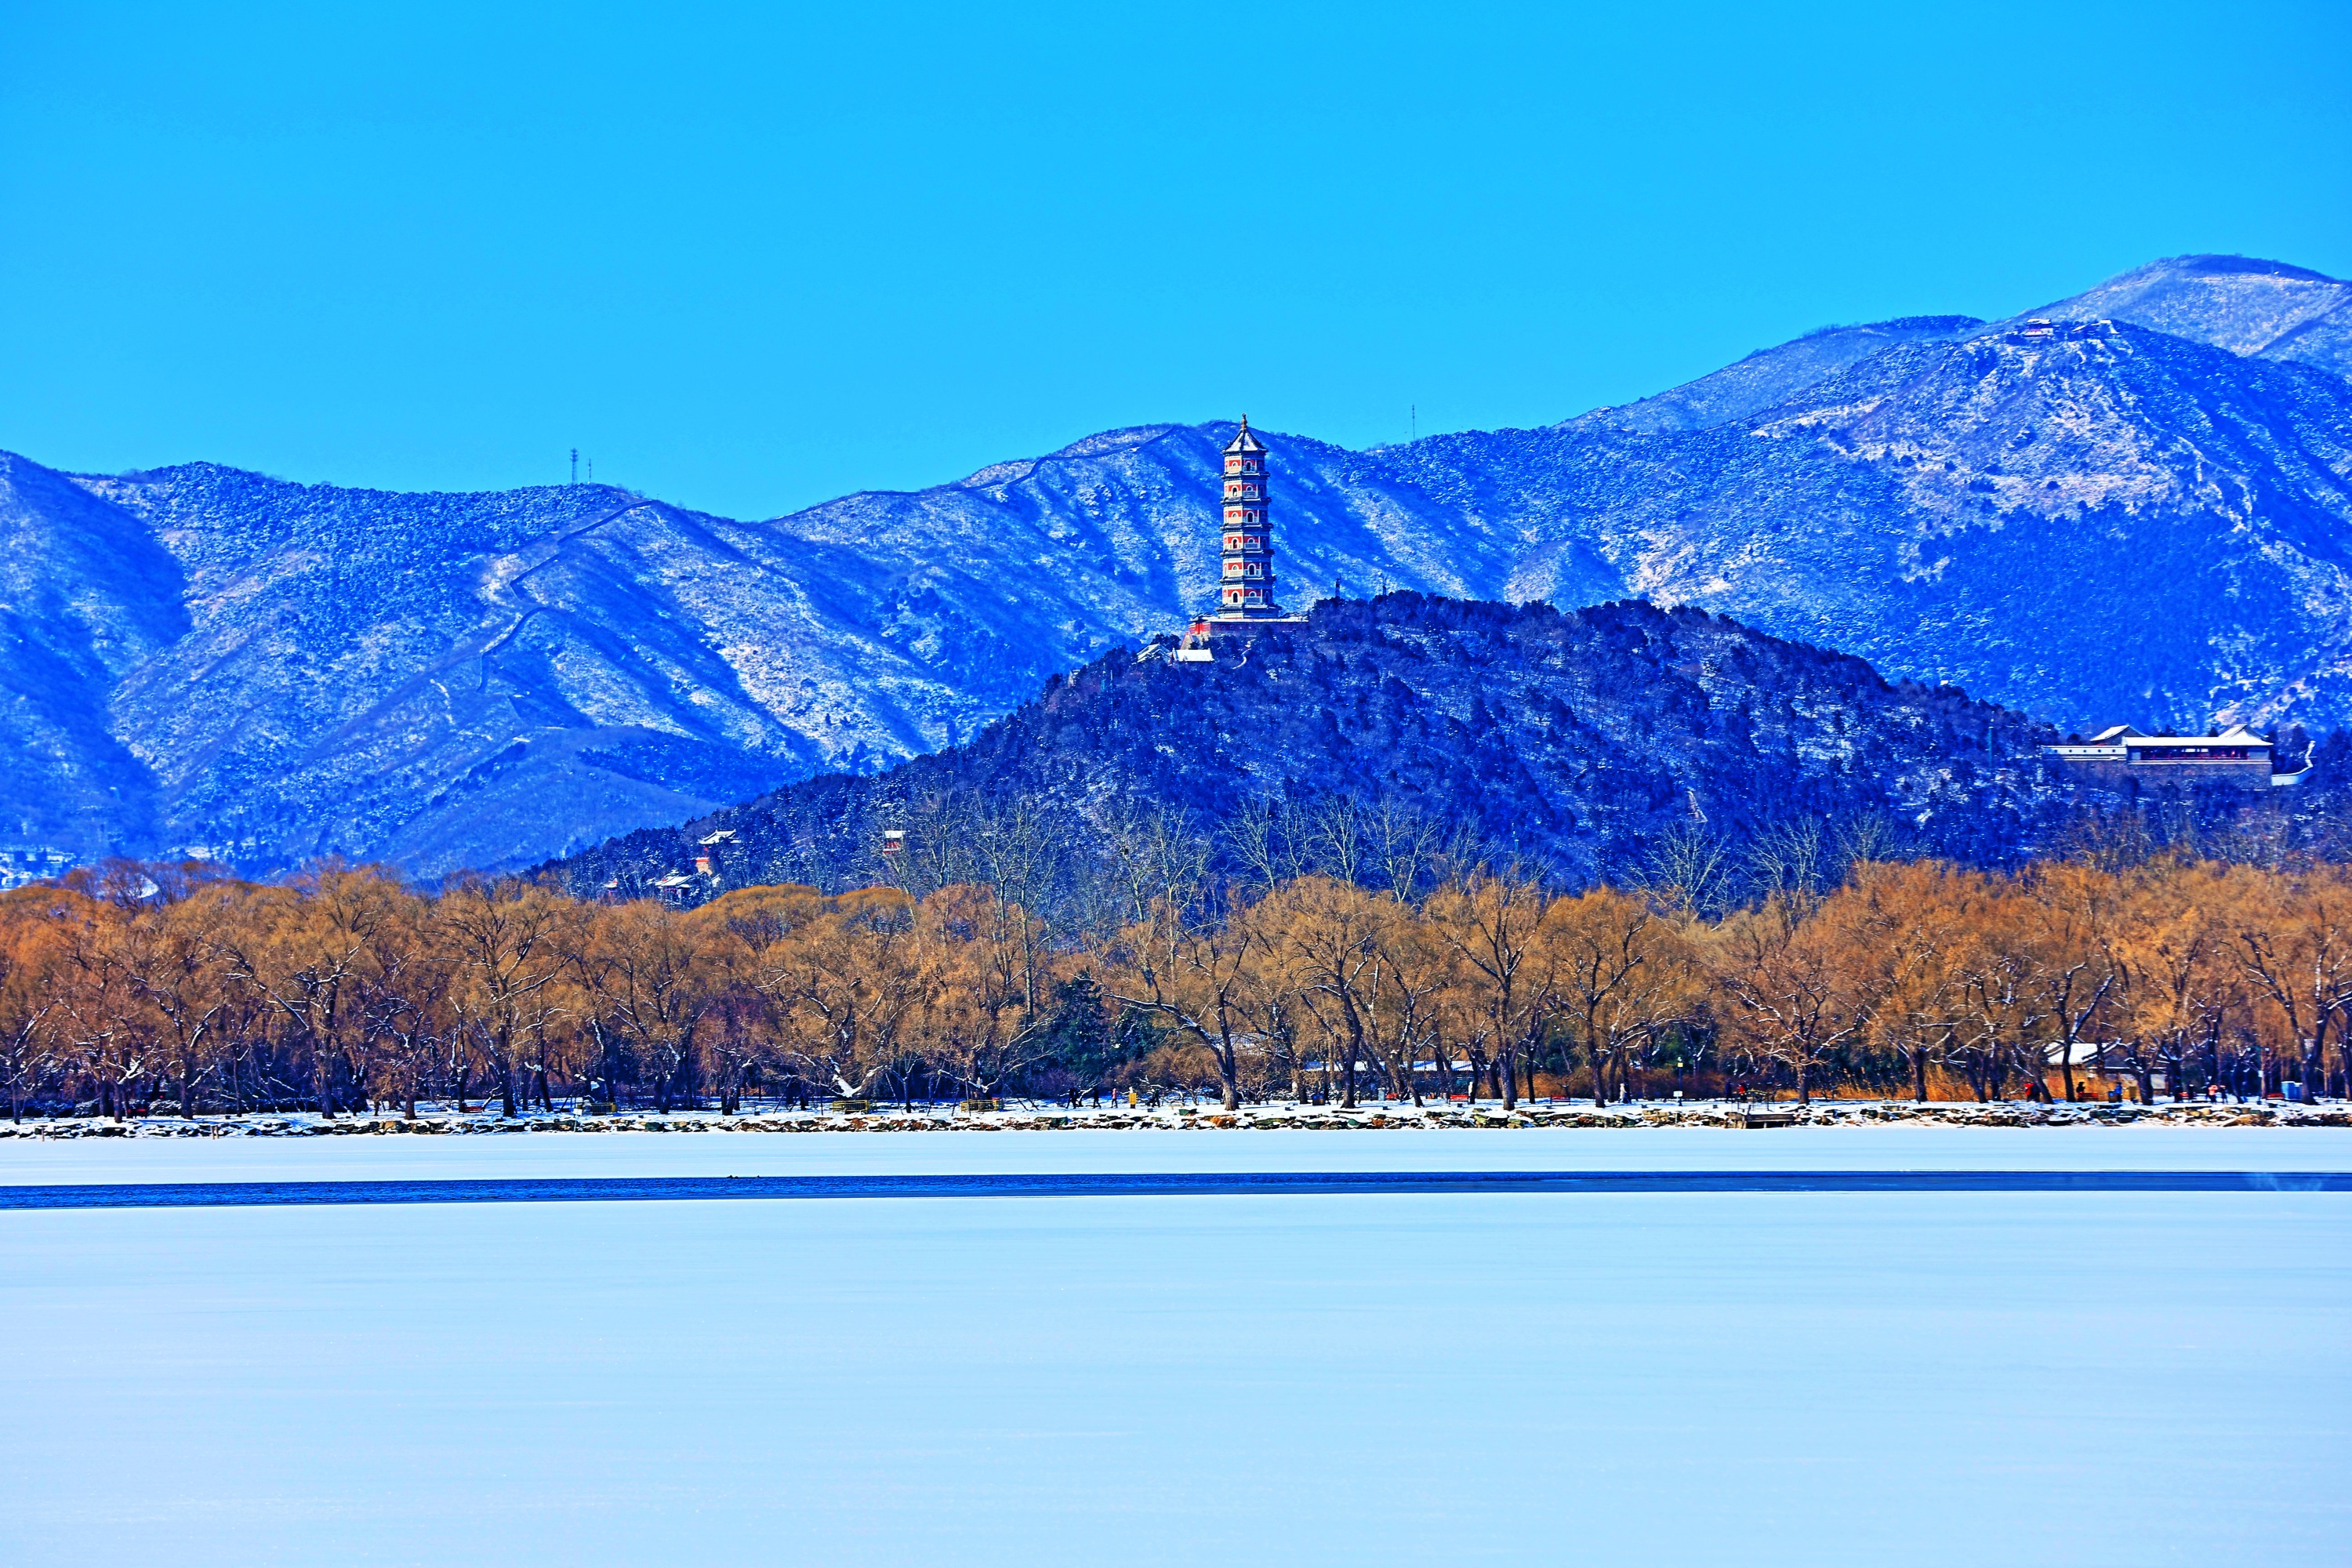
(1383, 1116)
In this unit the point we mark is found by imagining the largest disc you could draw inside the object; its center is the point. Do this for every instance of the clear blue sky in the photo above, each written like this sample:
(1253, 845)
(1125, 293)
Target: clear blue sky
(748, 257)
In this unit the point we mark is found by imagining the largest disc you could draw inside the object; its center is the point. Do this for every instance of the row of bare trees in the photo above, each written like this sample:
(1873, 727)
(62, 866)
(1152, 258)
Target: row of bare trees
(151, 987)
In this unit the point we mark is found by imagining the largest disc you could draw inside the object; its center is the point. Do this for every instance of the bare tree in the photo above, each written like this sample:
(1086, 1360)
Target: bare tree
(505, 942)
(1861, 837)
(2295, 942)
(846, 985)
(1201, 976)
(1403, 843)
(1684, 870)
(1788, 981)
(1787, 861)
(1156, 857)
(1620, 971)
(654, 972)
(175, 968)
(32, 991)
(1341, 837)
(1271, 840)
(1491, 925)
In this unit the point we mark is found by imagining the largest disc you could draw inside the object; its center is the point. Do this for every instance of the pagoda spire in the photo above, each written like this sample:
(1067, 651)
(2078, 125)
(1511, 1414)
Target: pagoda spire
(1245, 577)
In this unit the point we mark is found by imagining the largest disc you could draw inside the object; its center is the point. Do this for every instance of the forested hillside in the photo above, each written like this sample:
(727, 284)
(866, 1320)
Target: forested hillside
(1378, 738)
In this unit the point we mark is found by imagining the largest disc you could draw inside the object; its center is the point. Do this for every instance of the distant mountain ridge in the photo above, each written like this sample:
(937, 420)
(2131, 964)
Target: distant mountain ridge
(1769, 376)
(2112, 522)
(2265, 309)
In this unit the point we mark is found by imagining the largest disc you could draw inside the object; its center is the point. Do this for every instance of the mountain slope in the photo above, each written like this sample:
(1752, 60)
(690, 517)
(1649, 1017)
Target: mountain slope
(1579, 739)
(2116, 524)
(2266, 309)
(87, 597)
(447, 680)
(1770, 377)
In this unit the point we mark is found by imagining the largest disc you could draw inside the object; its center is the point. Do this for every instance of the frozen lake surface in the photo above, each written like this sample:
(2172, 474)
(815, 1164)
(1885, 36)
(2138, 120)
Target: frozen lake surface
(1922, 1378)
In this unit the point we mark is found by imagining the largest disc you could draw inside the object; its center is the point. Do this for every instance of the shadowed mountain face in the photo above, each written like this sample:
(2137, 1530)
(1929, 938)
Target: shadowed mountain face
(2116, 523)
(87, 597)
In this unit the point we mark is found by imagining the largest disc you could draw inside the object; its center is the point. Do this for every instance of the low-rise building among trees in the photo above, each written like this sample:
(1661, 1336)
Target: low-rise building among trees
(2235, 755)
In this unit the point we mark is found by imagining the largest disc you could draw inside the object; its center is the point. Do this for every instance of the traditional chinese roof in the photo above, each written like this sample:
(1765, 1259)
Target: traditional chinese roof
(1245, 442)
(2123, 734)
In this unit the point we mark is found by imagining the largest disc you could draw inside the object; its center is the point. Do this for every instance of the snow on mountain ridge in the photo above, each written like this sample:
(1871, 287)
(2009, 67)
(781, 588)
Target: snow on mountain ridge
(2244, 304)
(2113, 522)
(1769, 376)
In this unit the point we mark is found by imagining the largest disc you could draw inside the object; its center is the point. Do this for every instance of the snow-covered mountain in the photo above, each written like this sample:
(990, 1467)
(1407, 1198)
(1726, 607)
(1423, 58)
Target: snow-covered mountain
(2143, 513)
(2266, 309)
(2102, 524)
(1769, 376)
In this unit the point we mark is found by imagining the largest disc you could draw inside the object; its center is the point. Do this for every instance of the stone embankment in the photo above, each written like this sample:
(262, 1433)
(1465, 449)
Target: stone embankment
(1821, 1113)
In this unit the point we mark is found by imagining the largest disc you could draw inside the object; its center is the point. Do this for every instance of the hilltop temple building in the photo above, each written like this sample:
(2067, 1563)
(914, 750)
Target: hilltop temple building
(2236, 756)
(1246, 583)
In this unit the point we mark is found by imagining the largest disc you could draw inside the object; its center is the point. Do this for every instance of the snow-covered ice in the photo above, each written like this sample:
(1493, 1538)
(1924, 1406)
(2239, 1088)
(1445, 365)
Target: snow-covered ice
(1940, 1378)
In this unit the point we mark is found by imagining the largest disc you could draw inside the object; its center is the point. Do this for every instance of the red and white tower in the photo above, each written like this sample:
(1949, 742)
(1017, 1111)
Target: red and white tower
(1245, 584)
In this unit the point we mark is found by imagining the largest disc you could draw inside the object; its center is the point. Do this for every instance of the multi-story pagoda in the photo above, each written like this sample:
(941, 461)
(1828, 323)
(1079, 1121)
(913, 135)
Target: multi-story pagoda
(1245, 584)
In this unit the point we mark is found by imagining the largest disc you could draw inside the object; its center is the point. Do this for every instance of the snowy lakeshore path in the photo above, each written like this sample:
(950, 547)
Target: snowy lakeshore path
(1173, 1183)
(1896, 1148)
(1663, 1378)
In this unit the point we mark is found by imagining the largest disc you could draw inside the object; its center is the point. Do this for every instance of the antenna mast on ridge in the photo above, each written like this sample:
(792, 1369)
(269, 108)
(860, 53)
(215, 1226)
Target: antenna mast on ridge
(575, 465)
